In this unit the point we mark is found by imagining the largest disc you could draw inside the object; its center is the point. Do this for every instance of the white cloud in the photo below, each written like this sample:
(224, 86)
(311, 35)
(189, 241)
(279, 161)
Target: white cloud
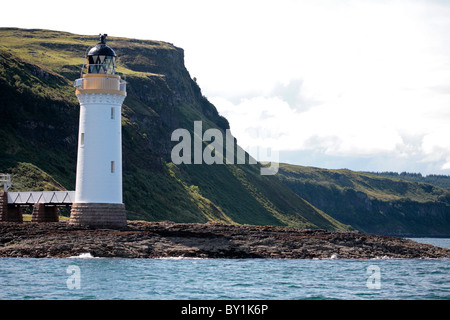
(356, 80)
(331, 128)
(401, 126)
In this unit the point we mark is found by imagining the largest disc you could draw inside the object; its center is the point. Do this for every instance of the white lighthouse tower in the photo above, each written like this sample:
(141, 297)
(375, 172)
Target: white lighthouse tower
(98, 192)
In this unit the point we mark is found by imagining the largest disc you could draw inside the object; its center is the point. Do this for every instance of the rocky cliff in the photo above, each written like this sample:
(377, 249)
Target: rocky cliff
(371, 203)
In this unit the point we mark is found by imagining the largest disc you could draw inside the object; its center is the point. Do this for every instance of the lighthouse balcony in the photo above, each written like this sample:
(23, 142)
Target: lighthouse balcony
(100, 83)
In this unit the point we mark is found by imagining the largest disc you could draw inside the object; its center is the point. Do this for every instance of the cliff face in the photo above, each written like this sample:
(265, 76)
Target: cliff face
(39, 129)
(371, 203)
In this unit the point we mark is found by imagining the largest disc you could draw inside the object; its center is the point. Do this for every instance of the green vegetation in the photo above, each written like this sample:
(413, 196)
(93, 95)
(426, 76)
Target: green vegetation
(27, 176)
(438, 180)
(372, 203)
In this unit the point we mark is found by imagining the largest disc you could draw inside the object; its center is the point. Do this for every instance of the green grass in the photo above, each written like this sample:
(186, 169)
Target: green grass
(26, 177)
(376, 187)
(62, 52)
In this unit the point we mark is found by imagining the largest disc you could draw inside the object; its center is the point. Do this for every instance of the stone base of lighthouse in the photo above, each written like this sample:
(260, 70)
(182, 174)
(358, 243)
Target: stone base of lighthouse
(98, 215)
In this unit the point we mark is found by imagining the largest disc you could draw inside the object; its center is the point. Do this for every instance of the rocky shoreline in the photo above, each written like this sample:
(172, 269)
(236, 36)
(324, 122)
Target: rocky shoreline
(211, 240)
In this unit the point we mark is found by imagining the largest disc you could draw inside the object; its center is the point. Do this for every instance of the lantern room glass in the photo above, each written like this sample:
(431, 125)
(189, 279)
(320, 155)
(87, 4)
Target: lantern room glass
(102, 64)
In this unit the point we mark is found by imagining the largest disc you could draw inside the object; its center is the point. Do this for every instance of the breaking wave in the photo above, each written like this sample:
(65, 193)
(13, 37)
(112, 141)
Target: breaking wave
(85, 255)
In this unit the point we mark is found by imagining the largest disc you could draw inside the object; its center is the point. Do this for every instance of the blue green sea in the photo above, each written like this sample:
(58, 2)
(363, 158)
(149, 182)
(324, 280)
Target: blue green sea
(91, 278)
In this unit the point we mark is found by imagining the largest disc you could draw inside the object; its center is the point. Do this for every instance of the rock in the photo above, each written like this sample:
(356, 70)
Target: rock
(211, 240)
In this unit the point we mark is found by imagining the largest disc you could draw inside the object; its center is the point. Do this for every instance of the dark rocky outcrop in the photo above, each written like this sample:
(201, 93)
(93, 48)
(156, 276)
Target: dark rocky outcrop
(211, 240)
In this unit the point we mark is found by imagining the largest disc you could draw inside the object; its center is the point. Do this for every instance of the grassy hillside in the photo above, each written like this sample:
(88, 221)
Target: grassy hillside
(371, 203)
(438, 180)
(39, 129)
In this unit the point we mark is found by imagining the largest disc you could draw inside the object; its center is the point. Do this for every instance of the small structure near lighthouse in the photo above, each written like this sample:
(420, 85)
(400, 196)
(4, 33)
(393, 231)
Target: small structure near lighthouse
(98, 191)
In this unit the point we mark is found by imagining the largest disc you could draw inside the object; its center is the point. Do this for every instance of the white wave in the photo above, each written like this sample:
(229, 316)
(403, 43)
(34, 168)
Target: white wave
(180, 258)
(381, 258)
(85, 255)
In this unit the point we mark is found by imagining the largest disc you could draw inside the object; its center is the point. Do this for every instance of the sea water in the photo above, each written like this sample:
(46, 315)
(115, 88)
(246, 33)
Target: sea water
(87, 277)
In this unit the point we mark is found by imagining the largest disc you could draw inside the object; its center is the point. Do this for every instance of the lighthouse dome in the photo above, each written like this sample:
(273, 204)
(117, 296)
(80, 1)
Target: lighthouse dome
(101, 58)
(102, 49)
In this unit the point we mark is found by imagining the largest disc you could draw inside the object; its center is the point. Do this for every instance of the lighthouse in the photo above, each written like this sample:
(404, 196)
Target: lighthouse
(98, 191)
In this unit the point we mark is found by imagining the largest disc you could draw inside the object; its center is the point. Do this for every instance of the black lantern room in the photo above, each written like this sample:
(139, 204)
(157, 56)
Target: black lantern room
(101, 58)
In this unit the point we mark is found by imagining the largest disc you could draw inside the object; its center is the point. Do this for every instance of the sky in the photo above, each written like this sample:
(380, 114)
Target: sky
(363, 85)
